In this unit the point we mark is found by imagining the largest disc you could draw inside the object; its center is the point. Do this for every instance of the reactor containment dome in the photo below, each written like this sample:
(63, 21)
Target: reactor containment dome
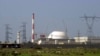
(57, 35)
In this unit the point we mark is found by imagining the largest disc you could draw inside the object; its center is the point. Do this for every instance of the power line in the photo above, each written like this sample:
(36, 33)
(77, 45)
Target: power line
(90, 25)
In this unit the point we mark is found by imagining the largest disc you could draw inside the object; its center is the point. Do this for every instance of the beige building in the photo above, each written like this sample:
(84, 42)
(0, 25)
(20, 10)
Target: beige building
(81, 39)
(87, 40)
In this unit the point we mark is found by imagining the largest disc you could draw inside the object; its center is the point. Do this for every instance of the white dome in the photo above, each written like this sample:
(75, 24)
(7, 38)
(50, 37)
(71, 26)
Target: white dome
(57, 35)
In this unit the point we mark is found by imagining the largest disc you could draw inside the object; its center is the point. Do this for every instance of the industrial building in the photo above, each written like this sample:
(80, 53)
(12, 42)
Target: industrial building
(60, 37)
(86, 39)
(55, 37)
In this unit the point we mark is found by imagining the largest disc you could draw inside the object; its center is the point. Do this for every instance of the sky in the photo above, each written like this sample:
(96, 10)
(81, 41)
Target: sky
(50, 15)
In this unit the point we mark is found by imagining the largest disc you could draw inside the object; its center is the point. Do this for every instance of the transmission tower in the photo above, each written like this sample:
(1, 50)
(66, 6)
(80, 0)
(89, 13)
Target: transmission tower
(7, 33)
(24, 32)
(90, 24)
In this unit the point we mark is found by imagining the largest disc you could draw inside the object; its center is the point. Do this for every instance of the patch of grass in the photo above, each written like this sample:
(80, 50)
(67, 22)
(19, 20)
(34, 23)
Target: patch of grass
(51, 52)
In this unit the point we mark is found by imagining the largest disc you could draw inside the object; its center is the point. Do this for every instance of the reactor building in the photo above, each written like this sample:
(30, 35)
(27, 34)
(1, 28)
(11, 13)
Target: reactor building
(55, 37)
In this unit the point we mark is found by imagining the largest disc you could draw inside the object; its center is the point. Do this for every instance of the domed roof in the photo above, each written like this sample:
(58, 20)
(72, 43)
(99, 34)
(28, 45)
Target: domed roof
(57, 35)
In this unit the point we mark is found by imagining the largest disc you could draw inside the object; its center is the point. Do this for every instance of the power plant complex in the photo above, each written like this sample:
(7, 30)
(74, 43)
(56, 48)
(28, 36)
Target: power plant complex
(54, 38)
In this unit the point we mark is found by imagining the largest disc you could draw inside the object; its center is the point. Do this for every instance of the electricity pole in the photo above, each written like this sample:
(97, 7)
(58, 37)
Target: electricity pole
(24, 32)
(7, 33)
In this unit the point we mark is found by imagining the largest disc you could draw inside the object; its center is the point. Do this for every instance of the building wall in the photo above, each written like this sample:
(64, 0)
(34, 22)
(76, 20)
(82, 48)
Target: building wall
(53, 41)
(87, 39)
(81, 39)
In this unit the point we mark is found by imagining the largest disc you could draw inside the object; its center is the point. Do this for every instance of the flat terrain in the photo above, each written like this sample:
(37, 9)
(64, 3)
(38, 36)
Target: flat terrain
(50, 52)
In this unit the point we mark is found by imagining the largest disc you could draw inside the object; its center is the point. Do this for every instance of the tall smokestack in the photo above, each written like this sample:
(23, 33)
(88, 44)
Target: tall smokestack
(33, 32)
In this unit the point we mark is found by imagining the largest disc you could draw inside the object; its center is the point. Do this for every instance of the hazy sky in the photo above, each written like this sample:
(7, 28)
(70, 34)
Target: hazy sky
(50, 15)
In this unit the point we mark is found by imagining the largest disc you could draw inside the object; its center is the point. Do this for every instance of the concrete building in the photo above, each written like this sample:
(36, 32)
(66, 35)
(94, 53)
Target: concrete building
(87, 40)
(81, 40)
(55, 37)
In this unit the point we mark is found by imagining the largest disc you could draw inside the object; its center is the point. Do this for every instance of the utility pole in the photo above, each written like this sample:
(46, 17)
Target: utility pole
(7, 33)
(90, 25)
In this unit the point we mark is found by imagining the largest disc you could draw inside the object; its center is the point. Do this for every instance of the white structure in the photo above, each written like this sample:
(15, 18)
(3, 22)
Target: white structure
(87, 39)
(18, 37)
(55, 37)
(39, 42)
(58, 35)
(81, 39)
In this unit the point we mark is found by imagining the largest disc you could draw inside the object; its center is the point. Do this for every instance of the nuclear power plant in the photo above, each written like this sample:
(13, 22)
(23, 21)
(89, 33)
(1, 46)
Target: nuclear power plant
(55, 38)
